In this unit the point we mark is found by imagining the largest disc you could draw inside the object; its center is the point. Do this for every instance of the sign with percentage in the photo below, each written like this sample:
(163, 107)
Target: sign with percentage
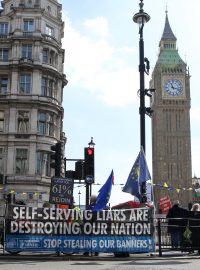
(61, 191)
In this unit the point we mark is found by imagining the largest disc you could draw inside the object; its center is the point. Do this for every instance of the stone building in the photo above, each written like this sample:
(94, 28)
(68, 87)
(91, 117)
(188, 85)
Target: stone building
(31, 95)
(171, 138)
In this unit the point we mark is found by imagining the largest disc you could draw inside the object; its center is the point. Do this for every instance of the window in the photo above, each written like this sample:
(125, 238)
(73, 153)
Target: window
(50, 88)
(28, 25)
(27, 51)
(3, 54)
(49, 30)
(3, 85)
(43, 163)
(1, 120)
(25, 84)
(47, 87)
(23, 121)
(50, 125)
(45, 55)
(42, 123)
(44, 86)
(46, 123)
(29, 4)
(21, 161)
(3, 28)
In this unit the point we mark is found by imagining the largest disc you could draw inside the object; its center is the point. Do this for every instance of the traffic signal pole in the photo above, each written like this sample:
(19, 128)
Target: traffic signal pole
(88, 171)
(84, 170)
(88, 191)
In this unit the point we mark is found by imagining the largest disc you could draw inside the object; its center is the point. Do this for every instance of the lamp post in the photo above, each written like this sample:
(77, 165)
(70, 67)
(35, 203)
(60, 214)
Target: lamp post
(141, 18)
(79, 199)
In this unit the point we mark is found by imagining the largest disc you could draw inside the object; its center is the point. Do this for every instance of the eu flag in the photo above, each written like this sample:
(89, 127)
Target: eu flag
(104, 194)
(139, 174)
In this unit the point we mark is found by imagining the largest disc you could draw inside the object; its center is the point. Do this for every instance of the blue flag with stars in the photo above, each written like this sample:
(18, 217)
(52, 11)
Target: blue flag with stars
(104, 194)
(138, 174)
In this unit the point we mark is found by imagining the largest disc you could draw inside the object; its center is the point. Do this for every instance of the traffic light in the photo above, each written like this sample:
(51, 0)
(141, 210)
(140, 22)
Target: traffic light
(89, 165)
(79, 169)
(56, 158)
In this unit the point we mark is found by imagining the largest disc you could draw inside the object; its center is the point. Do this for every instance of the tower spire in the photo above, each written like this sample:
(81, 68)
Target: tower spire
(167, 33)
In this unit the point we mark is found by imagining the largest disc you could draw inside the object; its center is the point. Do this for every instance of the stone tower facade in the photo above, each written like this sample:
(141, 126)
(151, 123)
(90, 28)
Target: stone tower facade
(171, 139)
(31, 95)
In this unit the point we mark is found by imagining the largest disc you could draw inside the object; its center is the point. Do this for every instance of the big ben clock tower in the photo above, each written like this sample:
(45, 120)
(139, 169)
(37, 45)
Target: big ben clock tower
(171, 141)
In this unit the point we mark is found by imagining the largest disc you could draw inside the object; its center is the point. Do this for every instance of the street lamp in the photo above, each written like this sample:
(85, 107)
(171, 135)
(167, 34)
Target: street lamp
(91, 144)
(141, 18)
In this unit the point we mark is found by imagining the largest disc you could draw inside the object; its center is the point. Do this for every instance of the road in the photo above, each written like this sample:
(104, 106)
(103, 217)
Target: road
(128, 264)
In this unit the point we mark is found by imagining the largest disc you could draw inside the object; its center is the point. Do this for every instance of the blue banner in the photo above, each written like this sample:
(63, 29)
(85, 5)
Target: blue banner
(79, 243)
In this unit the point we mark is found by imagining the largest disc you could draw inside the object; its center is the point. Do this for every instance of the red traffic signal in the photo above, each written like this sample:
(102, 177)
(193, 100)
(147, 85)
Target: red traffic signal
(90, 151)
(89, 164)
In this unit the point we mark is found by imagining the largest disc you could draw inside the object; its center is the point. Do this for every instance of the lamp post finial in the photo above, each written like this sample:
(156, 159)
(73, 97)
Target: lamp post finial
(141, 4)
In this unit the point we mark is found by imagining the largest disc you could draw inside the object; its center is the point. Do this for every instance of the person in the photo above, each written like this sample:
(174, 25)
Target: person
(194, 225)
(176, 220)
(93, 199)
(195, 207)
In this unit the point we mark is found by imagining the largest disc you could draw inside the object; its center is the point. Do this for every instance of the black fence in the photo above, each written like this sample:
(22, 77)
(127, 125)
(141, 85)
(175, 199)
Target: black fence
(186, 231)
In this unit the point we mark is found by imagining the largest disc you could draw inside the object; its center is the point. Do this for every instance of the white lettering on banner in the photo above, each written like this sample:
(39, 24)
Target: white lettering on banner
(52, 243)
(75, 228)
(95, 228)
(132, 243)
(92, 243)
(117, 215)
(139, 215)
(23, 212)
(53, 221)
(80, 243)
(130, 228)
(47, 228)
(58, 214)
(107, 244)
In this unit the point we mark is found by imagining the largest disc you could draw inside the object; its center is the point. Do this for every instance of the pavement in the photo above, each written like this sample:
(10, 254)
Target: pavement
(42, 256)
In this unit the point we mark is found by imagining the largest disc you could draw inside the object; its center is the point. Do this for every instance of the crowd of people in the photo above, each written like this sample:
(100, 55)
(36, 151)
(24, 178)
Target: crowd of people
(184, 227)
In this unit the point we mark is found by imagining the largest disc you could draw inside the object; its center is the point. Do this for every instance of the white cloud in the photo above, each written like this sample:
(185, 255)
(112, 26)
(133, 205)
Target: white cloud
(195, 113)
(98, 26)
(98, 66)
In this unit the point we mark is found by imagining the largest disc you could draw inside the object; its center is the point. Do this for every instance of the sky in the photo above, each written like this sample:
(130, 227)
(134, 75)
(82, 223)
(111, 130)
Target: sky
(101, 44)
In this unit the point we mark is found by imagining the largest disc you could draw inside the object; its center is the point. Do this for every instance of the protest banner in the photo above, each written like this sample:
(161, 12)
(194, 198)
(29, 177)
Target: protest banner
(61, 190)
(66, 230)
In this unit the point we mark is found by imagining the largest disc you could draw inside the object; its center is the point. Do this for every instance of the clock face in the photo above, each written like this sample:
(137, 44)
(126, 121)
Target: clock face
(173, 88)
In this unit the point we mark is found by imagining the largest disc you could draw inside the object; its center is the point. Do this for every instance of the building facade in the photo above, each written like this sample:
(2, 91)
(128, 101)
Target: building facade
(31, 94)
(171, 138)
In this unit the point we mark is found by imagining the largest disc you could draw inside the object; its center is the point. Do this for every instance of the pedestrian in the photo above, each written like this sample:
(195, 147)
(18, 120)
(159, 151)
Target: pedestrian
(176, 219)
(93, 199)
(194, 225)
(195, 207)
